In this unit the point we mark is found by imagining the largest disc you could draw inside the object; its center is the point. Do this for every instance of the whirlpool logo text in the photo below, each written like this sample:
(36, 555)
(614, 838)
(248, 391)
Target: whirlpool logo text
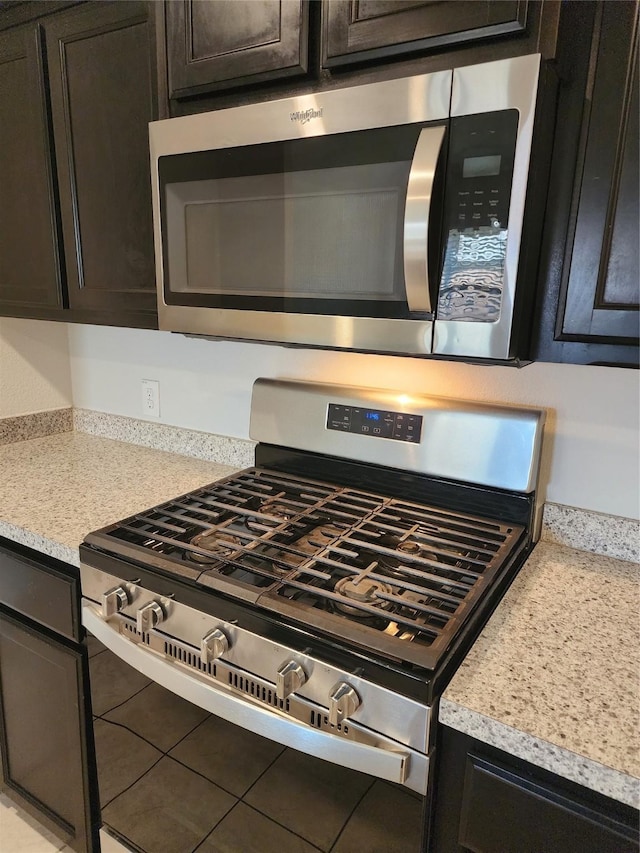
(304, 116)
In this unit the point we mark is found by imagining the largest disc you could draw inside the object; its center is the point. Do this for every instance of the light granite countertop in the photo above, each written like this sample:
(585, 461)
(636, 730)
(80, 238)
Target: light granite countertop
(56, 489)
(554, 678)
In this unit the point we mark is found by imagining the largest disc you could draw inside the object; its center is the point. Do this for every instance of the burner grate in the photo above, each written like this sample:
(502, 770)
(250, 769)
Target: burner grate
(393, 576)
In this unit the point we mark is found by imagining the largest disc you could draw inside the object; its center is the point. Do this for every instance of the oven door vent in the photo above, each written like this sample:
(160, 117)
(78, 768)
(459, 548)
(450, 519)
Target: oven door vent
(321, 721)
(190, 659)
(257, 691)
(134, 634)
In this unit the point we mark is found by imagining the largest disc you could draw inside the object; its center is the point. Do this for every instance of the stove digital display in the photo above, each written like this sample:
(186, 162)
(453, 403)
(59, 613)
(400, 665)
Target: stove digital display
(375, 422)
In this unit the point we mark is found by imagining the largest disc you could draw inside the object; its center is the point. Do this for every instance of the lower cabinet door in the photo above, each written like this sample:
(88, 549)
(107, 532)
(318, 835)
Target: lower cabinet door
(48, 764)
(504, 812)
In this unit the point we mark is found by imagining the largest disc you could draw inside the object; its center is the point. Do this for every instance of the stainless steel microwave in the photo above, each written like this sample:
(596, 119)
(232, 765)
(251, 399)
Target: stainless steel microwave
(385, 217)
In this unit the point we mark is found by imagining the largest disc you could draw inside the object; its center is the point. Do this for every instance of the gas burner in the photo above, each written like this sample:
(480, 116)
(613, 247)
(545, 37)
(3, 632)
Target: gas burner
(211, 541)
(363, 590)
(409, 546)
(277, 510)
(269, 507)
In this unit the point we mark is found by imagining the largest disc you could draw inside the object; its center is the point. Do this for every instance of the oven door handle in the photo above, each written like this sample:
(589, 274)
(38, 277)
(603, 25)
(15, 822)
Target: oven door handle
(376, 761)
(416, 218)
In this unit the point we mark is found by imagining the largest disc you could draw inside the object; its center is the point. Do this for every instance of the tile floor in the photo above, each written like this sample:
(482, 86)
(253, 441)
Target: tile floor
(20, 833)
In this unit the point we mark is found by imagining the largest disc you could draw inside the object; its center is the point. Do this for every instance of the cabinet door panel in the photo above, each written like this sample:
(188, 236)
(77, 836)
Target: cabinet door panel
(44, 732)
(602, 292)
(41, 588)
(100, 62)
(30, 271)
(504, 813)
(357, 30)
(234, 42)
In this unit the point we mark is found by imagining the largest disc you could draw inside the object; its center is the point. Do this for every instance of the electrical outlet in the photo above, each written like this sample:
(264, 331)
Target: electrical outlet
(151, 398)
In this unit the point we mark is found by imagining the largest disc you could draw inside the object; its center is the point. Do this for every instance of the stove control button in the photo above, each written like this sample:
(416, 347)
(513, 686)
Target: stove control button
(343, 702)
(213, 645)
(113, 601)
(291, 676)
(150, 615)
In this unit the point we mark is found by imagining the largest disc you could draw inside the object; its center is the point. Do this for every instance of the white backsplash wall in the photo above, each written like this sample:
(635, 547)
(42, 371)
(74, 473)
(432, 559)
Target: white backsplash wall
(34, 367)
(592, 457)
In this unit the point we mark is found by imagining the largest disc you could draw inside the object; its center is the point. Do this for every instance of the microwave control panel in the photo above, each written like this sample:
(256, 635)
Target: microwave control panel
(375, 422)
(480, 170)
(476, 216)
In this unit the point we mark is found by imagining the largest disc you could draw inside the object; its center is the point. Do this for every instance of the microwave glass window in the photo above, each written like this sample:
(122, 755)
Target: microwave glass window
(304, 234)
(312, 225)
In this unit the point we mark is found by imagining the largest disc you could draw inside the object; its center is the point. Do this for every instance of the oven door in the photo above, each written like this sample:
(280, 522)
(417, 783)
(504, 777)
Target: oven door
(328, 236)
(186, 766)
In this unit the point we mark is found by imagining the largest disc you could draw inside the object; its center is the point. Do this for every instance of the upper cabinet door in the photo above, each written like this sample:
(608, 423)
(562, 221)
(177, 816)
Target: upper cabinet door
(30, 267)
(602, 285)
(361, 30)
(101, 69)
(227, 43)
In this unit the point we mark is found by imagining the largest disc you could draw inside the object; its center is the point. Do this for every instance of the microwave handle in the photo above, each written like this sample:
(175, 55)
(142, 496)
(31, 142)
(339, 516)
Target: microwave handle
(416, 218)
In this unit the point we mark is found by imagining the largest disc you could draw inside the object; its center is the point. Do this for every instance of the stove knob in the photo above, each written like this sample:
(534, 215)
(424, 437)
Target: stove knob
(150, 615)
(291, 676)
(213, 645)
(113, 601)
(343, 702)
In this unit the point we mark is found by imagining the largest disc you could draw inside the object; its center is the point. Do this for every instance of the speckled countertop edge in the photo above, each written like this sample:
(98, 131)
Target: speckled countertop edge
(187, 442)
(41, 544)
(580, 719)
(563, 762)
(597, 532)
(35, 425)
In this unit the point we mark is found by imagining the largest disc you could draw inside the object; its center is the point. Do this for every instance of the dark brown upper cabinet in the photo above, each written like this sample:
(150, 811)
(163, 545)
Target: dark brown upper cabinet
(31, 272)
(590, 312)
(364, 30)
(77, 90)
(101, 61)
(602, 292)
(229, 43)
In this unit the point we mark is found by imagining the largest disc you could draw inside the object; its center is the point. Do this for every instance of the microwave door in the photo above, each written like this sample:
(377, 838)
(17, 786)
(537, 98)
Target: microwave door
(305, 241)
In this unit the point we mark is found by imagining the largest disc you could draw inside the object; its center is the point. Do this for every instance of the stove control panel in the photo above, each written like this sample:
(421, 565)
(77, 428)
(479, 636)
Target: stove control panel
(377, 423)
(295, 683)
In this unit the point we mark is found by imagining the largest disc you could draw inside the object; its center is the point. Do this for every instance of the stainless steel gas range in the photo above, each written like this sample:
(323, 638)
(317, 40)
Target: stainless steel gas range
(323, 598)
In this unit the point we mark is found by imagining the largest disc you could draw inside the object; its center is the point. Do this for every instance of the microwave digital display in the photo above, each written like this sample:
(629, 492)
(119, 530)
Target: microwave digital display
(481, 167)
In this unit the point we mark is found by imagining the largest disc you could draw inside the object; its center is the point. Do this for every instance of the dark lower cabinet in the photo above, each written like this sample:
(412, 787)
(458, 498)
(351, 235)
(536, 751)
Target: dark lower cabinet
(363, 30)
(489, 802)
(46, 736)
